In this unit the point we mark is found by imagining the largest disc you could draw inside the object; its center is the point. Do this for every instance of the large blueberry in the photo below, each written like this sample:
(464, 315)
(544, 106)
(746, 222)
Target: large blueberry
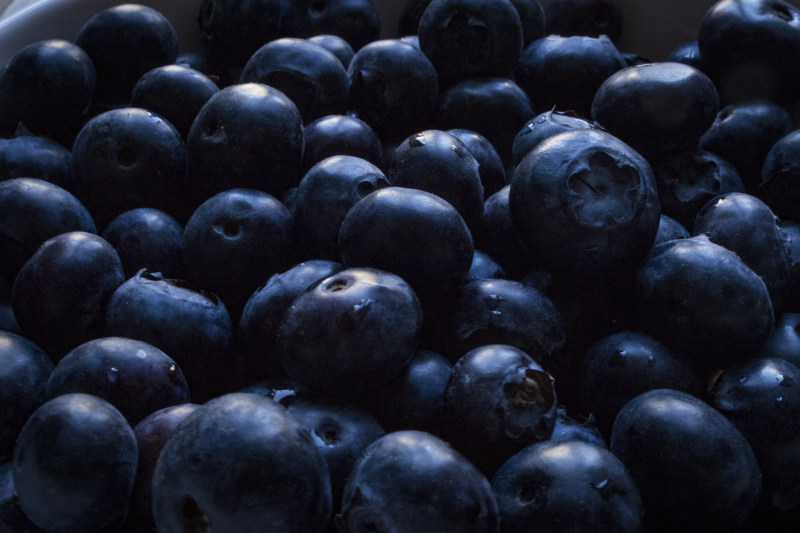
(60, 295)
(68, 434)
(350, 332)
(340, 135)
(247, 135)
(241, 462)
(404, 483)
(585, 203)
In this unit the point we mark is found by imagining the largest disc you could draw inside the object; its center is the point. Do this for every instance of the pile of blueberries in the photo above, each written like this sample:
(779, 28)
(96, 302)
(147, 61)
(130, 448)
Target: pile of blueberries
(495, 275)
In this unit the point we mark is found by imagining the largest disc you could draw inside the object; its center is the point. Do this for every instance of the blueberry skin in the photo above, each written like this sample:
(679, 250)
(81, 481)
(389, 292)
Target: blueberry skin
(779, 177)
(668, 229)
(657, 107)
(23, 382)
(564, 72)
(693, 468)
(585, 203)
(262, 315)
(568, 428)
(401, 484)
(175, 92)
(124, 42)
(241, 462)
(341, 430)
(336, 45)
(340, 135)
(702, 300)
(414, 398)
(743, 134)
(497, 108)
(620, 366)
(531, 15)
(356, 21)
(748, 47)
(68, 434)
(471, 39)
(411, 233)
(235, 241)
(127, 158)
(440, 163)
(147, 238)
(689, 179)
(393, 87)
(490, 166)
(152, 433)
(324, 197)
(484, 267)
(32, 156)
(496, 236)
(591, 18)
(60, 295)
(568, 486)
(784, 340)
(47, 87)
(761, 397)
(36, 210)
(135, 377)
(313, 78)
(231, 31)
(746, 225)
(541, 127)
(192, 326)
(497, 401)
(247, 135)
(350, 332)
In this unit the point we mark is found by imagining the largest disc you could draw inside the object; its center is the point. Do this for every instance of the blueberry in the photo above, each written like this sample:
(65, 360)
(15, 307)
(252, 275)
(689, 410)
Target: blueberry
(402, 481)
(350, 332)
(668, 229)
(247, 135)
(123, 42)
(336, 45)
(311, 76)
(236, 463)
(61, 293)
(542, 126)
(47, 87)
(175, 92)
(569, 428)
(484, 267)
(490, 166)
(32, 156)
(68, 434)
(356, 21)
(127, 158)
(688, 53)
(784, 340)
(496, 236)
(135, 377)
(340, 135)
(779, 177)
(693, 467)
(568, 486)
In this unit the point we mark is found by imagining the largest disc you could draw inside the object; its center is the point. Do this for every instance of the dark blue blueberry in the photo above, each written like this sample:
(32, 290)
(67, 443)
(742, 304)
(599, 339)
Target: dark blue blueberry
(393, 88)
(411, 233)
(247, 135)
(235, 241)
(68, 434)
(467, 39)
(531, 15)
(47, 87)
(335, 45)
(147, 238)
(484, 267)
(236, 463)
(592, 18)
(440, 163)
(35, 210)
(784, 340)
(571, 487)
(496, 236)
(542, 126)
(560, 72)
(192, 326)
(694, 469)
(124, 42)
(24, 372)
(175, 92)
(585, 203)
(127, 158)
(497, 401)
(312, 77)
(135, 377)
(668, 229)
(340, 135)
(356, 21)
(702, 300)
(262, 315)
(490, 166)
(324, 197)
(351, 332)
(32, 156)
(580, 428)
(401, 482)
(60, 295)
(657, 107)
(779, 177)
(688, 53)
